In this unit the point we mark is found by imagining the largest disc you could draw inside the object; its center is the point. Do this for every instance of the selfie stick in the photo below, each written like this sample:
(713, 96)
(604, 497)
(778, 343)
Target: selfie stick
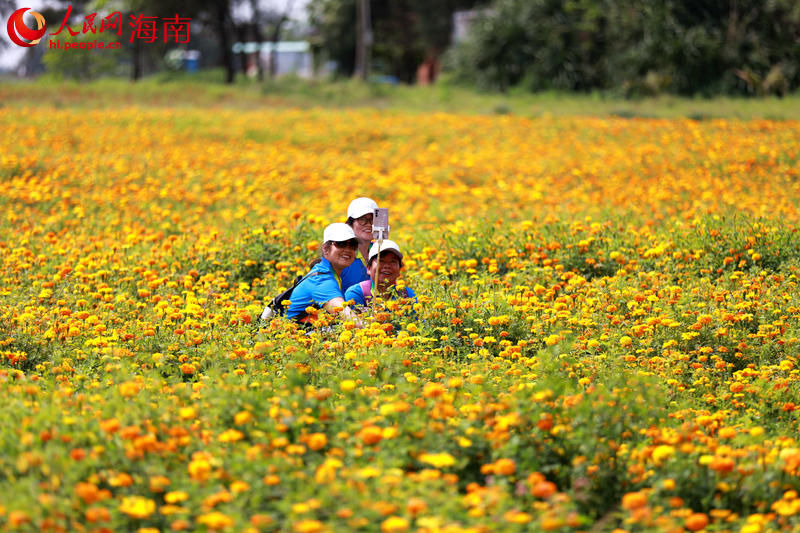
(380, 231)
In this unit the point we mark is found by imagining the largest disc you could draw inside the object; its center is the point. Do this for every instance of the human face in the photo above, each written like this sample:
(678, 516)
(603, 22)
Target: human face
(387, 272)
(342, 254)
(362, 227)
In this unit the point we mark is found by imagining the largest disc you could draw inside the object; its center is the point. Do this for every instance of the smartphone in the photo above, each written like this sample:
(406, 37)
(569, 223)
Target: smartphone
(380, 223)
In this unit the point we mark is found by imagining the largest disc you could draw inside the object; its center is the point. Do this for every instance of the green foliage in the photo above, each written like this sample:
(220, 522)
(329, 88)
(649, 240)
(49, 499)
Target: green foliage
(635, 48)
(335, 22)
(80, 63)
(405, 33)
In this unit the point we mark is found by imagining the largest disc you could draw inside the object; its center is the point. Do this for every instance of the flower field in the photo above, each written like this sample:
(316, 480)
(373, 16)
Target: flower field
(606, 335)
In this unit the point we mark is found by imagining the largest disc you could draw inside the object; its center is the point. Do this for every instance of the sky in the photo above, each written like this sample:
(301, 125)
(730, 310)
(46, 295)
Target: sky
(11, 54)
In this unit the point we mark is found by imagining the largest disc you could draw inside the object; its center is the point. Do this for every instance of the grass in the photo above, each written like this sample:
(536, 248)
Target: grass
(206, 89)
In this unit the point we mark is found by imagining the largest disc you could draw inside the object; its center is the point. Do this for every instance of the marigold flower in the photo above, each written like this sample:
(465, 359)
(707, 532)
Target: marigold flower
(199, 469)
(308, 526)
(634, 500)
(544, 489)
(176, 497)
(371, 435)
(696, 521)
(394, 524)
(505, 467)
(215, 520)
(317, 441)
(129, 389)
(137, 506)
(438, 460)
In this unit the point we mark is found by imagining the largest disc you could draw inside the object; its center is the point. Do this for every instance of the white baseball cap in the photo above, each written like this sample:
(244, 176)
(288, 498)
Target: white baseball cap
(385, 247)
(338, 232)
(360, 207)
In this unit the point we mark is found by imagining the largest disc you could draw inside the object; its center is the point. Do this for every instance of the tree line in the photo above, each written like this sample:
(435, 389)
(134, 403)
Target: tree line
(632, 47)
(629, 47)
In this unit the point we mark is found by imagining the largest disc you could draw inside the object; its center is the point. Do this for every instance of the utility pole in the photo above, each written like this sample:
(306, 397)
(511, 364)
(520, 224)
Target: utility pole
(363, 40)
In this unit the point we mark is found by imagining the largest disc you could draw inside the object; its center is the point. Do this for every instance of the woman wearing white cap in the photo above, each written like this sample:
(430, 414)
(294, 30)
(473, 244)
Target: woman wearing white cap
(383, 274)
(322, 286)
(359, 217)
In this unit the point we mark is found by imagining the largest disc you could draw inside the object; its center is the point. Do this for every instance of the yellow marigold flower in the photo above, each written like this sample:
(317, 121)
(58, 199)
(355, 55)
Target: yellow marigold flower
(662, 453)
(438, 460)
(176, 497)
(215, 520)
(326, 472)
(199, 469)
(394, 524)
(433, 390)
(308, 526)
(157, 483)
(129, 389)
(239, 486)
(137, 506)
(242, 417)
(317, 441)
(272, 479)
(517, 517)
(231, 435)
(552, 340)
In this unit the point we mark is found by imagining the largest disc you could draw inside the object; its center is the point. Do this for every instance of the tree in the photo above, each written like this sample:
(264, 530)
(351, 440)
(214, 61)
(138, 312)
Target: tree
(635, 46)
(86, 65)
(404, 32)
(334, 32)
(215, 14)
(6, 8)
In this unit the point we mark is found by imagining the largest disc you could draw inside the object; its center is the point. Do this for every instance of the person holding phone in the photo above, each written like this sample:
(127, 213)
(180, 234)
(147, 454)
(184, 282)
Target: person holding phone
(359, 217)
(323, 286)
(383, 272)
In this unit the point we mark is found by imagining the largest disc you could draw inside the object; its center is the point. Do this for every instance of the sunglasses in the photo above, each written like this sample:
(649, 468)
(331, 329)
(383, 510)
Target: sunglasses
(352, 244)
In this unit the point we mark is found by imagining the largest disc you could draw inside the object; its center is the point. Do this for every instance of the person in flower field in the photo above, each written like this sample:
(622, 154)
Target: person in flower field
(359, 217)
(322, 287)
(383, 276)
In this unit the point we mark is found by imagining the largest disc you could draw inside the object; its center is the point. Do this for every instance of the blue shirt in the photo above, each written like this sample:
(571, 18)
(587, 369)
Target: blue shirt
(356, 294)
(315, 290)
(355, 273)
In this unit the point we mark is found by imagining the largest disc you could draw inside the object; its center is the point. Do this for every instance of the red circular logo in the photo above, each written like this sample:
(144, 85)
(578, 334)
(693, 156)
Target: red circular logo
(20, 33)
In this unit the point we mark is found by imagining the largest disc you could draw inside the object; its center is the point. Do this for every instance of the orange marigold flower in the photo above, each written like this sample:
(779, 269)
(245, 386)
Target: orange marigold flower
(696, 521)
(634, 500)
(416, 506)
(317, 441)
(97, 514)
(505, 467)
(544, 489)
(433, 390)
(371, 435)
